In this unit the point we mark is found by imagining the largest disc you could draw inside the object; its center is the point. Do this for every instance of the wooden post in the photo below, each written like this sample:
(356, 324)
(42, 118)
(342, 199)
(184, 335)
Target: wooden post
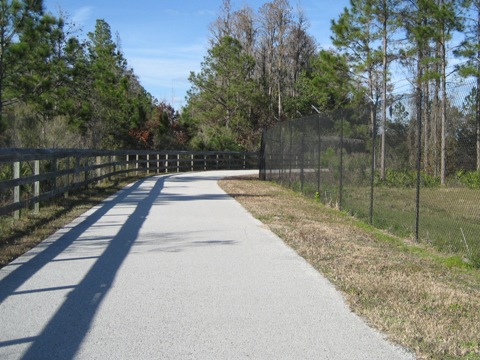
(55, 169)
(36, 187)
(98, 161)
(136, 165)
(16, 189)
(68, 177)
(76, 176)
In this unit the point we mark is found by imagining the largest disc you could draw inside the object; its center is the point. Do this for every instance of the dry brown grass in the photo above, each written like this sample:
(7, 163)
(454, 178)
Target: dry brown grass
(422, 300)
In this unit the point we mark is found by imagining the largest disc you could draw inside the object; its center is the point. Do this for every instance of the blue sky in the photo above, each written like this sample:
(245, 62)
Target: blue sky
(164, 40)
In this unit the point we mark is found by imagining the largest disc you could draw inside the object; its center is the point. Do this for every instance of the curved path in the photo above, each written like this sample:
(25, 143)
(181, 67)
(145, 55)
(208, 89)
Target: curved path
(173, 268)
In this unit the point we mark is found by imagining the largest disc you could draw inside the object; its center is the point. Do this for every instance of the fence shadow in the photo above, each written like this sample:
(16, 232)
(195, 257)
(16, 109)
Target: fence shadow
(65, 331)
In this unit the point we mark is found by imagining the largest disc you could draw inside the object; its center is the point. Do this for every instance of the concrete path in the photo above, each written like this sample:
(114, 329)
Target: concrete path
(172, 268)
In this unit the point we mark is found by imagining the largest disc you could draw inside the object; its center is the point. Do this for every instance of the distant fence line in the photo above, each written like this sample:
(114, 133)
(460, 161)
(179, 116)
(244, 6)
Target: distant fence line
(31, 176)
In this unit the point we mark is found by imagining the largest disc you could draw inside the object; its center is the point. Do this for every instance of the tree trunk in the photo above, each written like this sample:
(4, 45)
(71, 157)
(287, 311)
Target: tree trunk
(478, 90)
(384, 93)
(443, 170)
(478, 120)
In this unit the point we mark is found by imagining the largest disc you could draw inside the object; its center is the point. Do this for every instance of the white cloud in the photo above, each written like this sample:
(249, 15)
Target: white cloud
(82, 15)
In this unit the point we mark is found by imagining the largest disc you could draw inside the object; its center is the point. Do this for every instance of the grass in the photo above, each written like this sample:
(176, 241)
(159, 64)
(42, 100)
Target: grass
(449, 217)
(422, 299)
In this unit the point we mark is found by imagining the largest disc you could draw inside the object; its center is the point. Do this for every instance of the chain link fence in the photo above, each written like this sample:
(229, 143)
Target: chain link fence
(337, 159)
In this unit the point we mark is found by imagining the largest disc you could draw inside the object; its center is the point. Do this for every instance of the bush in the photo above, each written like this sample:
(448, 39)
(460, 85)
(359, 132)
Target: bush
(470, 179)
(406, 178)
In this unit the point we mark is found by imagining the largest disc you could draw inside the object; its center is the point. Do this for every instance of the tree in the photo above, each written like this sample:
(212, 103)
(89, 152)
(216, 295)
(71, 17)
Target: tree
(355, 32)
(446, 19)
(470, 50)
(222, 98)
(118, 102)
(386, 12)
(326, 85)
(275, 20)
(19, 23)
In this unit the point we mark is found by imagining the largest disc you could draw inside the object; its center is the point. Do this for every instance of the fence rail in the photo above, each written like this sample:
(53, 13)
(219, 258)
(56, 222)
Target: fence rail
(31, 176)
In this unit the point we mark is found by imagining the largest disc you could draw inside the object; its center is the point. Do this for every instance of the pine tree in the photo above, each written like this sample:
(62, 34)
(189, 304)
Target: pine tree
(222, 97)
(470, 50)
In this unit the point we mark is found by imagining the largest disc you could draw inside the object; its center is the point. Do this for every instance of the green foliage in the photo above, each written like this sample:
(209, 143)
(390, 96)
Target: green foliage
(406, 179)
(326, 84)
(471, 179)
(327, 157)
(222, 99)
(56, 90)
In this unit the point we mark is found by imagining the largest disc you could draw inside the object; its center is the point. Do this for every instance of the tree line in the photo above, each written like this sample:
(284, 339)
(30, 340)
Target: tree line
(262, 67)
(59, 90)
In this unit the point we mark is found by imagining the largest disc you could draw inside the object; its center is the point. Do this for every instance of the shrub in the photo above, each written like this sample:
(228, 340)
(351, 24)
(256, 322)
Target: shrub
(470, 179)
(406, 178)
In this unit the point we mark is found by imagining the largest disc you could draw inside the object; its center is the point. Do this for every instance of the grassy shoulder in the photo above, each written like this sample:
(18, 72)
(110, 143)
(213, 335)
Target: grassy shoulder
(423, 300)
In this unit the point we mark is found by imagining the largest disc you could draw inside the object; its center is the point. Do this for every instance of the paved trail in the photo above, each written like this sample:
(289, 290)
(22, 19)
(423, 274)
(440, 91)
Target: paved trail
(172, 268)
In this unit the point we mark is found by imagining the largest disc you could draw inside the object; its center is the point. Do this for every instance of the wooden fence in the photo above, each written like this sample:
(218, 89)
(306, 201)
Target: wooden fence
(30, 176)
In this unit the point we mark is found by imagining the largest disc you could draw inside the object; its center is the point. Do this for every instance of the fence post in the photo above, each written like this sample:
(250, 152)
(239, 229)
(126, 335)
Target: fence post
(114, 160)
(98, 161)
(36, 187)
(372, 176)
(68, 177)
(419, 160)
(319, 150)
(55, 169)
(302, 160)
(136, 165)
(76, 176)
(16, 189)
(263, 174)
(340, 182)
(290, 156)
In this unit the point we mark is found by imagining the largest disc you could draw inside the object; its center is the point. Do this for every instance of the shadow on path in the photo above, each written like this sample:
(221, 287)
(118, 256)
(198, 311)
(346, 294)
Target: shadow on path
(63, 335)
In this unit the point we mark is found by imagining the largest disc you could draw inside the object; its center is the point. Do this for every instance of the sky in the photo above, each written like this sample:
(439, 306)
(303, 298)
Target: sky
(163, 41)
